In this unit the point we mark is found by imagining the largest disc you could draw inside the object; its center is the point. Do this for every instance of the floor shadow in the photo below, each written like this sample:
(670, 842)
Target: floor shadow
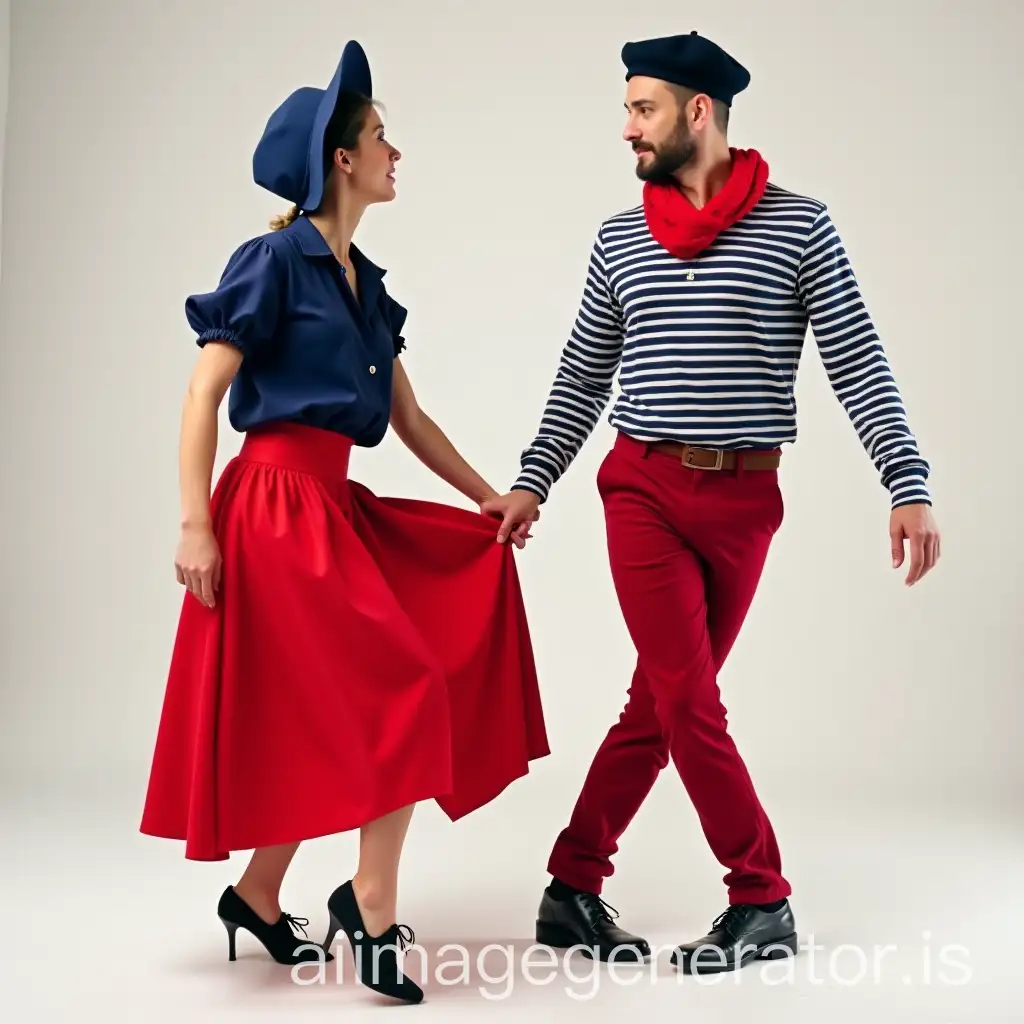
(499, 969)
(484, 971)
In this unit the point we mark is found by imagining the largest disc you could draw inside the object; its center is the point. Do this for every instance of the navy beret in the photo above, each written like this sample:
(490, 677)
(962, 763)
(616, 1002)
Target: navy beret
(691, 61)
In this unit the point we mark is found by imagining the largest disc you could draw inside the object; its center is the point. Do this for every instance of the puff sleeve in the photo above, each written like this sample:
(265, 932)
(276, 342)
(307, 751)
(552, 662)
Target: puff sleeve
(395, 314)
(243, 310)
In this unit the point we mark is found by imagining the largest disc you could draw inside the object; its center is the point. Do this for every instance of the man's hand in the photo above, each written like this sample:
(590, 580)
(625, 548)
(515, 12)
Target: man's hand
(517, 510)
(914, 523)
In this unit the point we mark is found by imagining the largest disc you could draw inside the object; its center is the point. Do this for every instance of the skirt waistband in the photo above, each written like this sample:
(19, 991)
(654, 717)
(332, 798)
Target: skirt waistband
(298, 447)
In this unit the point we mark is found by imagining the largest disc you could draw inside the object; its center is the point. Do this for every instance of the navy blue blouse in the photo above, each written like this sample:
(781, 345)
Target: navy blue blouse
(311, 353)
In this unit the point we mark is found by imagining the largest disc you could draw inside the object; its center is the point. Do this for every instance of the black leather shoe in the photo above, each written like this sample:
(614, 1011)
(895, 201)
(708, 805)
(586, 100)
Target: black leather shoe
(279, 938)
(377, 957)
(585, 919)
(740, 935)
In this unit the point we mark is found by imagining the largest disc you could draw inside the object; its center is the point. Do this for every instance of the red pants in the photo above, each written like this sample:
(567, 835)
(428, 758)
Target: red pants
(687, 547)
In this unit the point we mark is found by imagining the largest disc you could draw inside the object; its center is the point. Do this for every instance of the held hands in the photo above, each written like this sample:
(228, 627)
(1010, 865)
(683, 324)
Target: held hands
(517, 510)
(198, 563)
(914, 523)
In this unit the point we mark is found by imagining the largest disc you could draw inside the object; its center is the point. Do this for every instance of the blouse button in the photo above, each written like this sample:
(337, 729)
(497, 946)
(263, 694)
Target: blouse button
(373, 369)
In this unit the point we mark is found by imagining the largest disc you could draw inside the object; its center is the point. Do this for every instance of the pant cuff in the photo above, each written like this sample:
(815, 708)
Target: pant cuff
(763, 894)
(570, 875)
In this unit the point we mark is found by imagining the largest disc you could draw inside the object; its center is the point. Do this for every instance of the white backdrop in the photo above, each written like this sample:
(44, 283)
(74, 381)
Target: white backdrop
(5, 68)
(127, 183)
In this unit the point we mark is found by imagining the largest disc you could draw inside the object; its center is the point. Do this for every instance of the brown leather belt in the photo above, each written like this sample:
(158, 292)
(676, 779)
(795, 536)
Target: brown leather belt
(715, 458)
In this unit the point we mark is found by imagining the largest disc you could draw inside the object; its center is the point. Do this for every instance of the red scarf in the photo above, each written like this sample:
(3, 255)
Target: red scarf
(677, 225)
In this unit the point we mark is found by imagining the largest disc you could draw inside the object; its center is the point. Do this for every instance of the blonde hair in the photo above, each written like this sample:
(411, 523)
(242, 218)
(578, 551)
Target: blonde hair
(282, 220)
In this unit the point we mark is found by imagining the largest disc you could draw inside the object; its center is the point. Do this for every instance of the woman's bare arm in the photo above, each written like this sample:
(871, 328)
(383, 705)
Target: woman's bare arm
(198, 561)
(425, 439)
(214, 370)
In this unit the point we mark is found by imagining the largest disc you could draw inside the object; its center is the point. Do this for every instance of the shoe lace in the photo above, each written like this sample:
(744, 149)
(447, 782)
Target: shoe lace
(597, 908)
(297, 923)
(731, 920)
(406, 936)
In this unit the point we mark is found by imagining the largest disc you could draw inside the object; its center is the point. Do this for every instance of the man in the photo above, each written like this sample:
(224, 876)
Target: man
(700, 299)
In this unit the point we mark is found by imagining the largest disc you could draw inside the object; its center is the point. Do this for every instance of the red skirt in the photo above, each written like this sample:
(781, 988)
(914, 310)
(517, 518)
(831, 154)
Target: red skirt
(363, 654)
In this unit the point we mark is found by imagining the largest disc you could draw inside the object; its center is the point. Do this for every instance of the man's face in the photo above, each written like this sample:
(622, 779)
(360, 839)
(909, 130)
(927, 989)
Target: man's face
(656, 129)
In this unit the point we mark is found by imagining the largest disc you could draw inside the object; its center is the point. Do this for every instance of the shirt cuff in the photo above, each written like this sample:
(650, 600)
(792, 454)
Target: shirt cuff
(908, 486)
(534, 480)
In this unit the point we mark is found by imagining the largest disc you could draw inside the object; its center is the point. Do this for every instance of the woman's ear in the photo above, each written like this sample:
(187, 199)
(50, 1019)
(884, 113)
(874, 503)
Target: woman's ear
(342, 162)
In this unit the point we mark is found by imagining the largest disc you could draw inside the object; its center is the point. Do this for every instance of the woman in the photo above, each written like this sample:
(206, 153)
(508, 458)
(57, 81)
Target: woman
(339, 656)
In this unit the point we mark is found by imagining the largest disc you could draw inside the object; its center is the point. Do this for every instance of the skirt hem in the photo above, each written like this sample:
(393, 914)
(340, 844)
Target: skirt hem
(222, 852)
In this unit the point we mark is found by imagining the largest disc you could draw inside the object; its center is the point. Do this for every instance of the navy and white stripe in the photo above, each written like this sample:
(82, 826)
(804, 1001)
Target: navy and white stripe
(706, 350)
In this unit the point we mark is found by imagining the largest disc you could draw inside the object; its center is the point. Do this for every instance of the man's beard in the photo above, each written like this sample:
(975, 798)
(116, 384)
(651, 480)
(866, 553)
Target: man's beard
(675, 154)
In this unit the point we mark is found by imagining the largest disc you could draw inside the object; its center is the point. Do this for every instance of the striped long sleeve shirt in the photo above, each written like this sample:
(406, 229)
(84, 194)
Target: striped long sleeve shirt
(706, 350)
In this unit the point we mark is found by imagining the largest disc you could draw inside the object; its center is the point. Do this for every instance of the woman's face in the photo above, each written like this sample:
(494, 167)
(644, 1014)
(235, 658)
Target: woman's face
(371, 165)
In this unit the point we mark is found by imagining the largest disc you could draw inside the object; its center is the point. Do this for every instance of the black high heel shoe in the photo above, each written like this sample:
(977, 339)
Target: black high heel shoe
(278, 938)
(376, 956)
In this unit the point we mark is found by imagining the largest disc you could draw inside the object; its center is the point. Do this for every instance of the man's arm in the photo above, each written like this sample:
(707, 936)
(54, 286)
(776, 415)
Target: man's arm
(581, 390)
(856, 364)
(860, 376)
(582, 386)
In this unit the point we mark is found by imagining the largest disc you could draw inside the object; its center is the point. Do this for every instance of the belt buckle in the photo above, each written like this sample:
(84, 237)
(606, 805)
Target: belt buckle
(719, 458)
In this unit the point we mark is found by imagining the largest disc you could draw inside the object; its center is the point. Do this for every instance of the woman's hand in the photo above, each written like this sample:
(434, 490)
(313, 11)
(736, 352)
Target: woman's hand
(517, 510)
(198, 563)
